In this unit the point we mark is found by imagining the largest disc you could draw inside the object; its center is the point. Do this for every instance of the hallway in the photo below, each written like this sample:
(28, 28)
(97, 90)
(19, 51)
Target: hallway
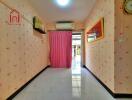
(45, 43)
(61, 84)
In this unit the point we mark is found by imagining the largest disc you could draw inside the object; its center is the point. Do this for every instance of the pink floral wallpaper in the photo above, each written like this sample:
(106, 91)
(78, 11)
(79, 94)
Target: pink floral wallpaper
(110, 59)
(23, 51)
(100, 54)
(123, 49)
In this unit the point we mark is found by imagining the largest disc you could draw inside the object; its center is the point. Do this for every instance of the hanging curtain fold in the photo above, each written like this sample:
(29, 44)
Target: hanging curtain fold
(60, 49)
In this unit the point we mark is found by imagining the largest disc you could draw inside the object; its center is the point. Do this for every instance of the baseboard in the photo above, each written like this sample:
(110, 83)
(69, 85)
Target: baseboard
(26, 84)
(114, 95)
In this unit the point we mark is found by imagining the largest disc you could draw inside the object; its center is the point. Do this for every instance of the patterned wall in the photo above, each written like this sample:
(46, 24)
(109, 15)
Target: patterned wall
(110, 58)
(123, 50)
(23, 51)
(100, 54)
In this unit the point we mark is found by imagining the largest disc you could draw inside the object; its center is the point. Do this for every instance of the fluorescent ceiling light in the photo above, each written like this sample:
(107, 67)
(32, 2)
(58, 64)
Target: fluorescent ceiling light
(63, 3)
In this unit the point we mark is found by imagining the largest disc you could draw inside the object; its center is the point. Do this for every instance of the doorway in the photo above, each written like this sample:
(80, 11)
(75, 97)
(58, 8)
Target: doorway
(76, 52)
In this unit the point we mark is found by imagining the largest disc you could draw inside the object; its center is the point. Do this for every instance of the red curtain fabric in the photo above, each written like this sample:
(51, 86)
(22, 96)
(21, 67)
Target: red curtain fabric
(60, 49)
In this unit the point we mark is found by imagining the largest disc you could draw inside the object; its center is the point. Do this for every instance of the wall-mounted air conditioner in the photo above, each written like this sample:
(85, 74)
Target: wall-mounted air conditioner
(65, 25)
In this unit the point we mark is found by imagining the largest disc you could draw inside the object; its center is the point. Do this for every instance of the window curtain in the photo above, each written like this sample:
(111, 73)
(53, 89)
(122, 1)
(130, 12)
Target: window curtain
(60, 49)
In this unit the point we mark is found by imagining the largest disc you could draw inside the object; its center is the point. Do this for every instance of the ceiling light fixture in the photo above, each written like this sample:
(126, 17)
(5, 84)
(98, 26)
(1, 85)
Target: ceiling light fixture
(63, 3)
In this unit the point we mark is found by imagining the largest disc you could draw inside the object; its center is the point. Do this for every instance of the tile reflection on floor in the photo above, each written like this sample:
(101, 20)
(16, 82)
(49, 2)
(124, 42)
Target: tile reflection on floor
(76, 65)
(60, 84)
(76, 85)
(76, 77)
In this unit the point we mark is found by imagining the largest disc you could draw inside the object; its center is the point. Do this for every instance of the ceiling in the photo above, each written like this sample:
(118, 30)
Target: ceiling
(78, 10)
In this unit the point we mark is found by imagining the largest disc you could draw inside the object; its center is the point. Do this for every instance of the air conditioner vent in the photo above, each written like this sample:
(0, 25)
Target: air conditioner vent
(65, 25)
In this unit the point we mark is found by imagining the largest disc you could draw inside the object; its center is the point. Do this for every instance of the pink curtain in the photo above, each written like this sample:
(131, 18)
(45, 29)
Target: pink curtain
(60, 49)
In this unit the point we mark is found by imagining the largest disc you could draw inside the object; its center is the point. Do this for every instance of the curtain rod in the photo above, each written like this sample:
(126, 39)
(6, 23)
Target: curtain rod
(81, 30)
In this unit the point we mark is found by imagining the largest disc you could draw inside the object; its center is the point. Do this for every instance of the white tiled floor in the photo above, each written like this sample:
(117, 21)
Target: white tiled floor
(60, 84)
(65, 84)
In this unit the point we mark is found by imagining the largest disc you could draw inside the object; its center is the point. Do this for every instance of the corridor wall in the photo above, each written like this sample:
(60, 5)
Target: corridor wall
(23, 51)
(100, 54)
(110, 58)
(123, 49)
